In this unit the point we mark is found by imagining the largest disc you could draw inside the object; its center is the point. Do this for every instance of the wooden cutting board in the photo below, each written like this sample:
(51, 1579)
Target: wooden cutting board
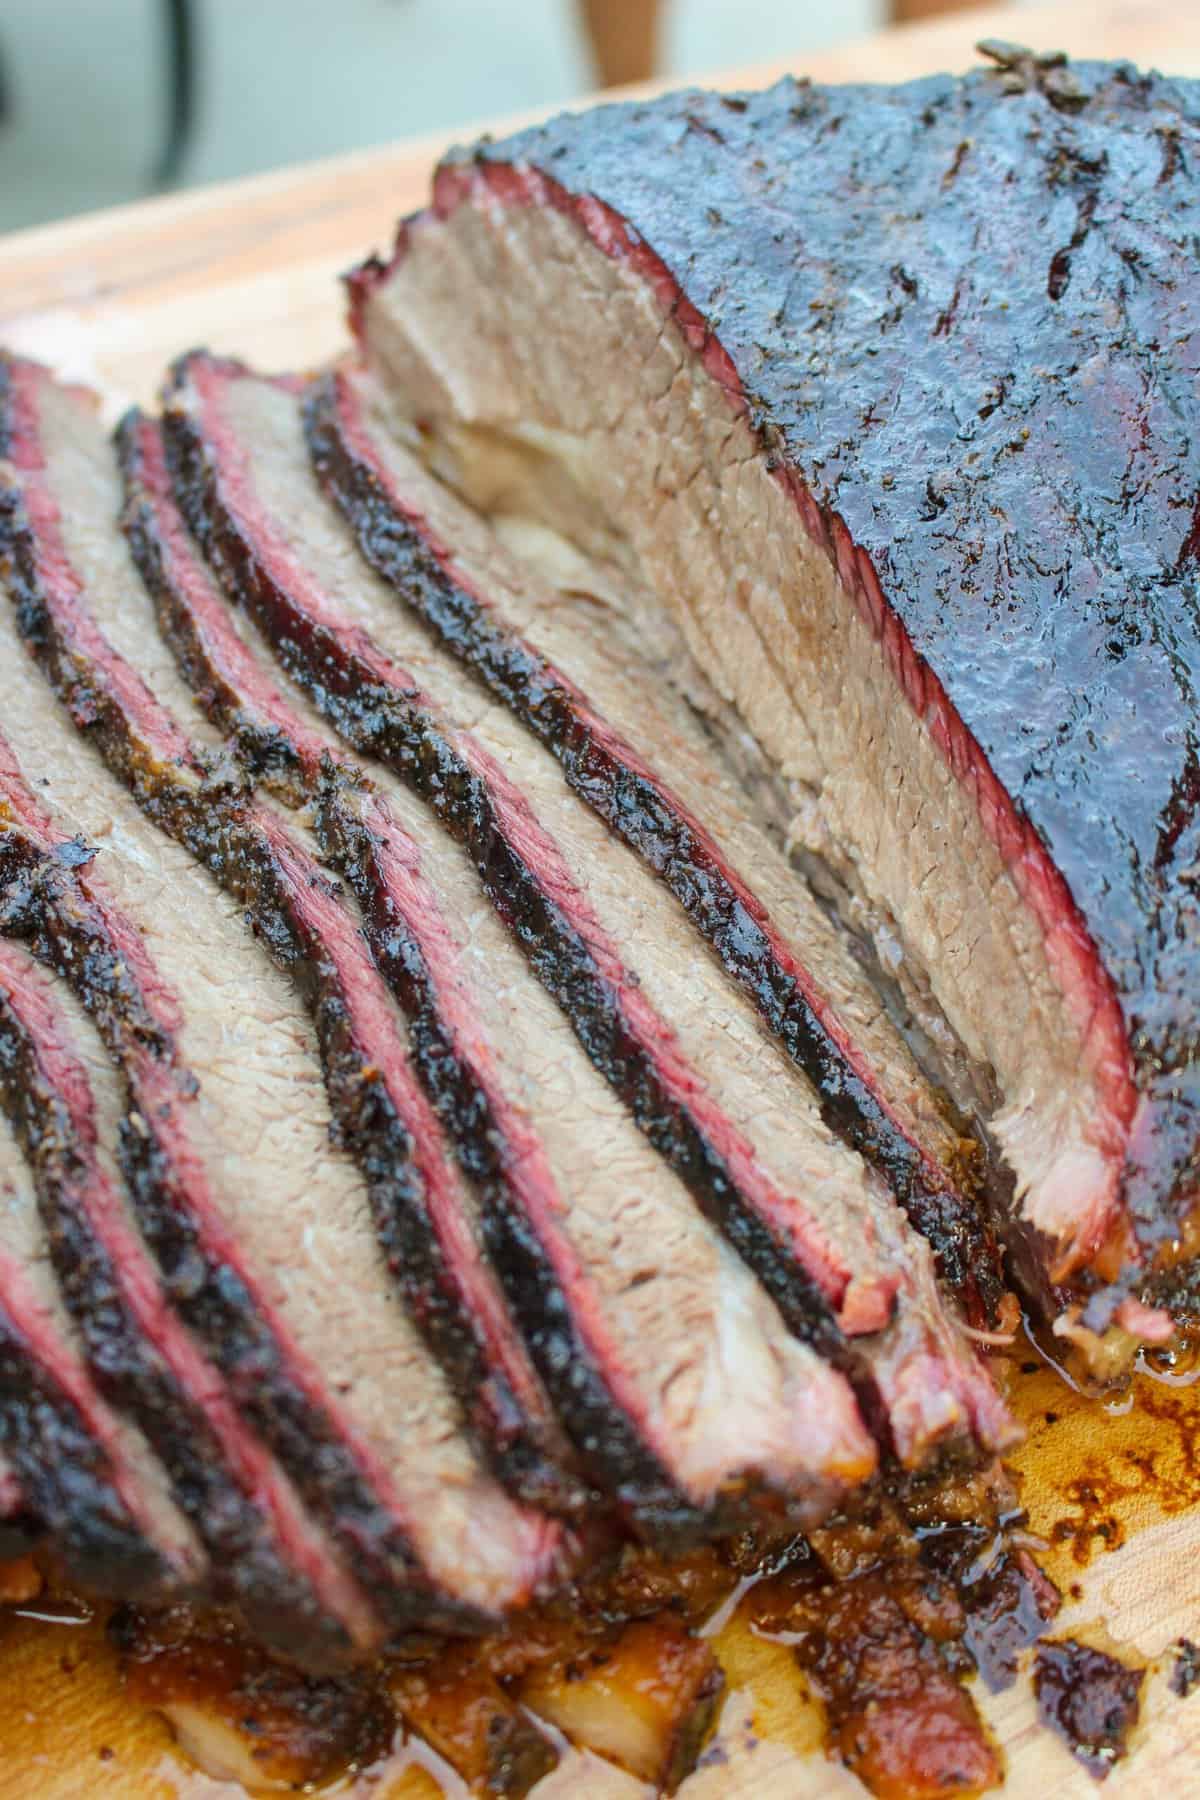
(250, 268)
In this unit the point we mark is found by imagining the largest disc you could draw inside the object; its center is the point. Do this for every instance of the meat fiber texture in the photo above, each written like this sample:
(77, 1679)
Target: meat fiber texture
(888, 396)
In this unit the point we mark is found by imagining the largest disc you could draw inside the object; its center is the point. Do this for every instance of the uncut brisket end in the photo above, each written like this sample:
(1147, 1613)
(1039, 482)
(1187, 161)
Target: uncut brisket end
(88, 1484)
(283, 1282)
(384, 495)
(912, 466)
(140, 1357)
(512, 1090)
(236, 439)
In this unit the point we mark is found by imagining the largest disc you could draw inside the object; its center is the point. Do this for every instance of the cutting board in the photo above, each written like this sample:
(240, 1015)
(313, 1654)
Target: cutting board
(250, 268)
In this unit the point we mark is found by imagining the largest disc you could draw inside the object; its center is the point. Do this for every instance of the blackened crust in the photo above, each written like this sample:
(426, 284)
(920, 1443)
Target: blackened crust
(607, 1440)
(66, 1483)
(211, 1294)
(610, 1446)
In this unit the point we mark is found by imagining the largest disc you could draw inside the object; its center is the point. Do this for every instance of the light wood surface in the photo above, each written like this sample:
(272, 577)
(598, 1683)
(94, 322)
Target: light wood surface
(251, 268)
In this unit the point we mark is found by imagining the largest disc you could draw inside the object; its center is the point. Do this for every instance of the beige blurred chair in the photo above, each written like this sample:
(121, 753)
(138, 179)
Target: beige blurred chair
(624, 34)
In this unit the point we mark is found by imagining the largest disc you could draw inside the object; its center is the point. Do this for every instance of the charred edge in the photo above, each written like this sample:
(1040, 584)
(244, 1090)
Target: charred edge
(246, 1571)
(611, 1448)
(64, 1476)
(515, 1444)
(637, 810)
(94, 713)
(214, 1302)
(382, 721)
(264, 752)
(608, 1443)
(212, 1298)
(65, 1481)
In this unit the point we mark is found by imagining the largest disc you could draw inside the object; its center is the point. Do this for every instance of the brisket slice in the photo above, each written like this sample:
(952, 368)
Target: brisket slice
(62, 1095)
(726, 1108)
(669, 810)
(625, 1343)
(87, 1480)
(888, 395)
(264, 1232)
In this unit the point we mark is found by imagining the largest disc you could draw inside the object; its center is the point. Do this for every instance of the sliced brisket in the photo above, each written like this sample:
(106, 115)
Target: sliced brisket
(889, 396)
(262, 1230)
(724, 1107)
(62, 1096)
(630, 1344)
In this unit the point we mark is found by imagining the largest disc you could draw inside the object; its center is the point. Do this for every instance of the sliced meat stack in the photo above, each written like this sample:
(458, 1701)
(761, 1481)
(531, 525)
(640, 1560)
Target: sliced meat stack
(511, 1322)
(569, 1206)
(877, 409)
(261, 1231)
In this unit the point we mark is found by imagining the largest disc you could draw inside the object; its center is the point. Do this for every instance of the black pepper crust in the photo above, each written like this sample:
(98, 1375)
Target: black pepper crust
(63, 1474)
(245, 1570)
(66, 930)
(944, 1207)
(610, 1448)
(966, 311)
(385, 722)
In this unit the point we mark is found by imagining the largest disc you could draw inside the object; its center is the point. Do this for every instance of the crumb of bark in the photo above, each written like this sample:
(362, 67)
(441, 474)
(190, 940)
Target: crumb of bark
(1090, 1699)
(1186, 1673)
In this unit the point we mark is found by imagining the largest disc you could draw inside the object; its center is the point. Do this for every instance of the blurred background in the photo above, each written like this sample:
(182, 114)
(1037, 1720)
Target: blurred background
(107, 100)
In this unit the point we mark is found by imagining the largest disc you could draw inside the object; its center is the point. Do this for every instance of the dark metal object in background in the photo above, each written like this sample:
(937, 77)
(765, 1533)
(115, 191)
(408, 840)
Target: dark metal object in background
(180, 33)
